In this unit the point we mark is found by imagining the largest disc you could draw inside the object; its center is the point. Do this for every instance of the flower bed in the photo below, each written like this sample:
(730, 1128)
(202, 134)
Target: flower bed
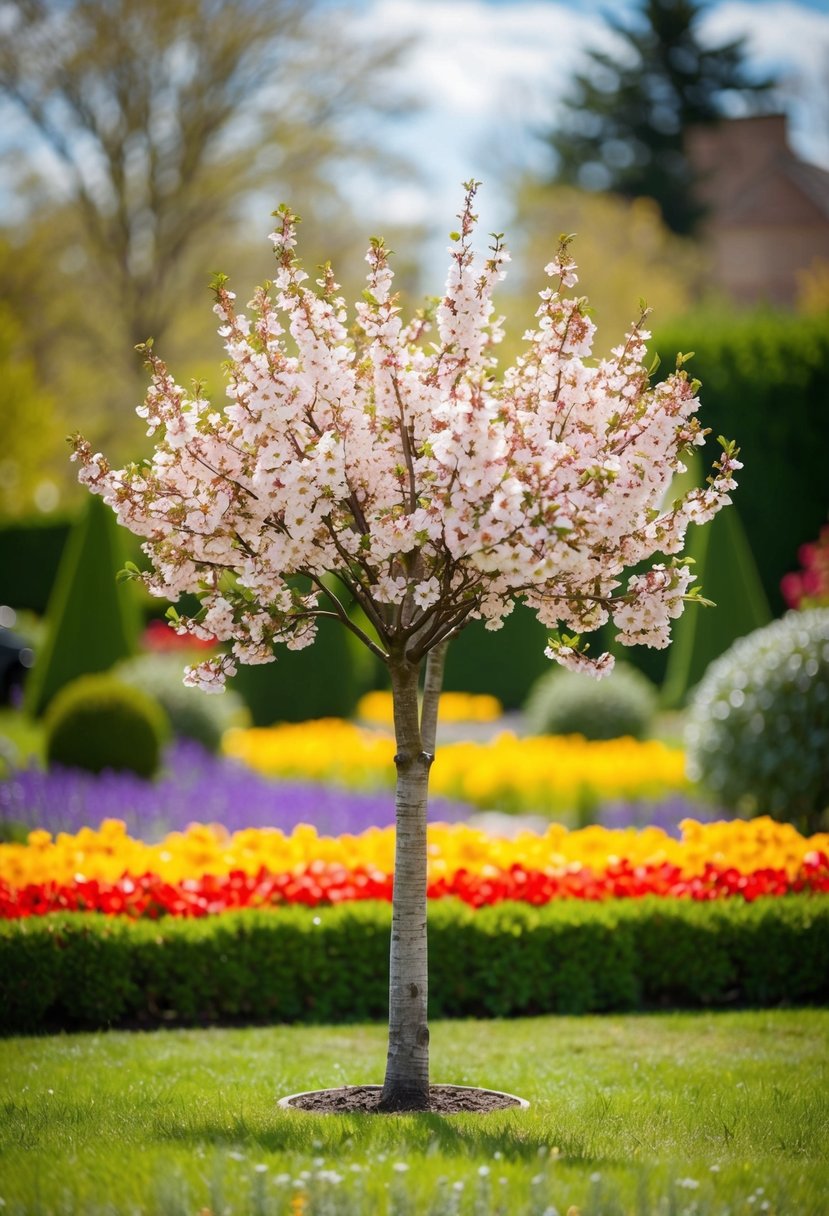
(206, 870)
(547, 774)
(194, 786)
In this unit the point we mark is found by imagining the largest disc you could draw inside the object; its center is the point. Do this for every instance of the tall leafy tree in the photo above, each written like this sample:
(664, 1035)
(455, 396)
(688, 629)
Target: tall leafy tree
(627, 112)
(163, 115)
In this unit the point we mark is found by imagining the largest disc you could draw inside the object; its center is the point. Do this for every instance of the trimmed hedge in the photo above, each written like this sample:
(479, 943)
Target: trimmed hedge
(330, 964)
(764, 378)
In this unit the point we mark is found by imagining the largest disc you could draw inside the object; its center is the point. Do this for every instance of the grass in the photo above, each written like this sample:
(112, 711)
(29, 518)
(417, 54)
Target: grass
(681, 1114)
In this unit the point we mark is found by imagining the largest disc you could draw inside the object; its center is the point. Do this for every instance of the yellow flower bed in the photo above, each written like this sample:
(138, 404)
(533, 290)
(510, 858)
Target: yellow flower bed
(453, 707)
(543, 773)
(107, 853)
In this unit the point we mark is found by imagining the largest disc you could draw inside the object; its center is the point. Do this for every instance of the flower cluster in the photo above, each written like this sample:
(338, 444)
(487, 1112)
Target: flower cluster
(205, 870)
(395, 456)
(547, 774)
(809, 586)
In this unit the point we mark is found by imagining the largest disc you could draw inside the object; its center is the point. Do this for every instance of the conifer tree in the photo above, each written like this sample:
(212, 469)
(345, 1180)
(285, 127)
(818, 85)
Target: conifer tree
(626, 114)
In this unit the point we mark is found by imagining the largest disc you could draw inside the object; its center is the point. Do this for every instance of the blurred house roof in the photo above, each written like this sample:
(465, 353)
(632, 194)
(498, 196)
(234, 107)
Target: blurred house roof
(767, 220)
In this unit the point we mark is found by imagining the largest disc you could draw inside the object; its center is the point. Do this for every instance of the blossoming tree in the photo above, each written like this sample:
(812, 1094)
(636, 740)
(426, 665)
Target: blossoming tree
(393, 467)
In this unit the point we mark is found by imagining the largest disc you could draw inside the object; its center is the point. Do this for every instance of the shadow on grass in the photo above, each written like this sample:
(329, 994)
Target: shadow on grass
(516, 1137)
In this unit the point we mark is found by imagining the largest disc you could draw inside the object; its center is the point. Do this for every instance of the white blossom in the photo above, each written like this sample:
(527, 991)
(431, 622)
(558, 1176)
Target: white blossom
(394, 457)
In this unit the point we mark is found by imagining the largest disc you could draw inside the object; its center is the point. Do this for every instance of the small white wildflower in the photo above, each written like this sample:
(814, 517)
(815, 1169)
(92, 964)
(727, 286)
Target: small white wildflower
(715, 1169)
(457, 1186)
(537, 1180)
(316, 921)
(236, 1156)
(282, 1179)
(318, 1161)
(690, 1184)
(261, 1168)
(400, 1167)
(596, 1177)
(355, 1168)
(483, 1171)
(497, 1155)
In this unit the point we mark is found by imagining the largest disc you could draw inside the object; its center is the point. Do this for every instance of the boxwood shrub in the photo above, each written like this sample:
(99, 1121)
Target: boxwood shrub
(330, 964)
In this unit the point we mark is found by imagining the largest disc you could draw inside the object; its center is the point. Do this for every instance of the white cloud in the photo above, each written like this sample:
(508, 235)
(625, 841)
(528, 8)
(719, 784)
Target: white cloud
(791, 42)
(490, 74)
(486, 75)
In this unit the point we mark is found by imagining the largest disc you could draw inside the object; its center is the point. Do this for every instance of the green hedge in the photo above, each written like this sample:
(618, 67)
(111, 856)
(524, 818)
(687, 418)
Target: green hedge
(764, 378)
(330, 964)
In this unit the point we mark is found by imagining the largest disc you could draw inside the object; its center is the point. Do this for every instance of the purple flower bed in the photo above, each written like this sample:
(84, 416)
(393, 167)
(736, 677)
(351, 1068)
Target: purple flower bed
(195, 786)
(666, 812)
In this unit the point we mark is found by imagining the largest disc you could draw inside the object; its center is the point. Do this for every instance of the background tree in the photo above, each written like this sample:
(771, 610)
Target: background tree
(626, 114)
(163, 116)
(393, 458)
(29, 423)
(622, 244)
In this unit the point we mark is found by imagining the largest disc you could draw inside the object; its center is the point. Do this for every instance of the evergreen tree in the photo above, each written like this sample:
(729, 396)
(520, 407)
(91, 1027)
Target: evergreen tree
(626, 115)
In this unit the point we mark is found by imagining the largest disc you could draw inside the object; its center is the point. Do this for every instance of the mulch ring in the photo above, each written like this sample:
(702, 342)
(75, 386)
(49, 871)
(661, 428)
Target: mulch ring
(365, 1100)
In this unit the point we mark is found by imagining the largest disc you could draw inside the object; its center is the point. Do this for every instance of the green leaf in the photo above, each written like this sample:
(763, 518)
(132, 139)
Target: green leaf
(129, 571)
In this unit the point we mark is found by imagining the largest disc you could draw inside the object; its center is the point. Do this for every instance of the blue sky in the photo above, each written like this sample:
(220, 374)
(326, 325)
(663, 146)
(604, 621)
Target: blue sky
(487, 72)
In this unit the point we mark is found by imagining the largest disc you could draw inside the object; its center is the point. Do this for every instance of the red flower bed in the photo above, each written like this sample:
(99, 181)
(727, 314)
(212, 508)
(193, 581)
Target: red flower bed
(150, 896)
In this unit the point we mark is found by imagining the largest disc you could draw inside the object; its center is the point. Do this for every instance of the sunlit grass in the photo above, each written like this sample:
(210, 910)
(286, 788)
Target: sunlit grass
(678, 1113)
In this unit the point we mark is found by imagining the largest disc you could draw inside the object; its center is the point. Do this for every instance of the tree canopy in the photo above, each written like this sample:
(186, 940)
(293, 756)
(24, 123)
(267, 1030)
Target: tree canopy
(626, 114)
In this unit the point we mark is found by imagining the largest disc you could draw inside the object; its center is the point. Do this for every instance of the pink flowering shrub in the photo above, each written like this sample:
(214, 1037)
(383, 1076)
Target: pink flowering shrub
(808, 587)
(436, 487)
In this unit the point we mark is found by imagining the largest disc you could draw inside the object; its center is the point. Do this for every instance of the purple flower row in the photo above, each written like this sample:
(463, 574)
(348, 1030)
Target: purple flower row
(195, 786)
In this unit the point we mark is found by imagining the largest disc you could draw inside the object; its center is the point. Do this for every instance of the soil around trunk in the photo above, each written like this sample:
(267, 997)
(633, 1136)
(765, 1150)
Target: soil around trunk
(365, 1099)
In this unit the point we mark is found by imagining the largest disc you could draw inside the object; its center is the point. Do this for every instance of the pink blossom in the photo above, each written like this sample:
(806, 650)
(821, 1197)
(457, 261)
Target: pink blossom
(395, 455)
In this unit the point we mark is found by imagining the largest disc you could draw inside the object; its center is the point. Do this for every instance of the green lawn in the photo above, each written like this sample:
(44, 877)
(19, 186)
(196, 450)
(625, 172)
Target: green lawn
(676, 1114)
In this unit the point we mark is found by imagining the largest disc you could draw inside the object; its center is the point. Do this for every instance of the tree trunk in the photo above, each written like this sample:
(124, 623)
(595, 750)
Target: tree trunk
(406, 1085)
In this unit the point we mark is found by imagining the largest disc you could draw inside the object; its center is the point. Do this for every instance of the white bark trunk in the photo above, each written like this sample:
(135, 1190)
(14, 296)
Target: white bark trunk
(406, 1085)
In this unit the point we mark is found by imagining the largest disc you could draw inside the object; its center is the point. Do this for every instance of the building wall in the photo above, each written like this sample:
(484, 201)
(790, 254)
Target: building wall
(763, 230)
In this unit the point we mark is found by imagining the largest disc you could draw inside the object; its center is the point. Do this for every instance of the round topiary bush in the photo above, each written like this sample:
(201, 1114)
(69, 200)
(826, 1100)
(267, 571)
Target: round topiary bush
(97, 722)
(566, 703)
(758, 725)
(192, 714)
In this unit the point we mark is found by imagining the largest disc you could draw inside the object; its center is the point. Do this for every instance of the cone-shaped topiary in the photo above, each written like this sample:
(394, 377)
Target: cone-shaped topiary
(758, 728)
(96, 722)
(562, 703)
(92, 621)
(725, 567)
